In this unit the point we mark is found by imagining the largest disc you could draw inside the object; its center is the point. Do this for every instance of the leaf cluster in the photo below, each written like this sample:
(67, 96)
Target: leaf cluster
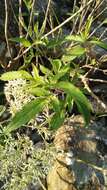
(48, 84)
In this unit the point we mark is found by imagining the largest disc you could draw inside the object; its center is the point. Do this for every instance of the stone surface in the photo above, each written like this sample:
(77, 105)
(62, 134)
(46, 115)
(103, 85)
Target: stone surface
(80, 155)
(60, 177)
(35, 186)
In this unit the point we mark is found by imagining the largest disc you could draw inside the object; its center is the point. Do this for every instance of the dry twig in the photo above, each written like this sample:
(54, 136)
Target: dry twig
(54, 30)
(85, 82)
(31, 17)
(20, 18)
(6, 27)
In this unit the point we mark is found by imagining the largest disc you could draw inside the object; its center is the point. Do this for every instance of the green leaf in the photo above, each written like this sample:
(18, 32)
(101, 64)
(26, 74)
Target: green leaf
(70, 102)
(55, 104)
(68, 58)
(39, 42)
(72, 53)
(99, 43)
(56, 64)
(38, 79)
(45, 70)
(35, 72)
(28, 3)
(2, 110)
(21, 40)
(27, 60)
(75, 38)
(88, 26)
(61, 73)
(38, 91)
(105, 21)
(28, 112)
(80, 99)
(12, 75)
(76, 51)
(36, 29)
(54, 42)
(57, 120)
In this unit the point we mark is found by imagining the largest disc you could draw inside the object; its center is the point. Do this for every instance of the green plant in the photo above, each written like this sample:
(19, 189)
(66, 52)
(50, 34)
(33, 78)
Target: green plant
(23, 164)
(59, 78)
(52, 84)
(47, 86)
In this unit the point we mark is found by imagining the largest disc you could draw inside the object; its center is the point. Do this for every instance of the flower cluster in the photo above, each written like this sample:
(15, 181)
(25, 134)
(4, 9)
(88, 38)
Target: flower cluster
(16, 95)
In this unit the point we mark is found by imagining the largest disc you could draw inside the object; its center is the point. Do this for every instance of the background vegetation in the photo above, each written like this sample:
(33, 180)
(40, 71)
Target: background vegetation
(50, 77)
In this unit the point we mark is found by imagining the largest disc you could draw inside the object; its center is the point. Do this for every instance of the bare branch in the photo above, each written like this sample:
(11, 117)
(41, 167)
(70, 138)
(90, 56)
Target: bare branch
(20, 18)
(54, 30)
(6, 27)
(31, 17)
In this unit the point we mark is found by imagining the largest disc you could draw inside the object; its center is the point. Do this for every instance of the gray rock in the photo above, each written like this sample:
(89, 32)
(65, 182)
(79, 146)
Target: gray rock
(34, 186)
(89, 154)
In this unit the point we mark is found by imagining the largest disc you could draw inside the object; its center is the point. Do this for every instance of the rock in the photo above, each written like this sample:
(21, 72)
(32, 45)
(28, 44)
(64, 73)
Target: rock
(35, 186)
(79, 163)
(60, 177)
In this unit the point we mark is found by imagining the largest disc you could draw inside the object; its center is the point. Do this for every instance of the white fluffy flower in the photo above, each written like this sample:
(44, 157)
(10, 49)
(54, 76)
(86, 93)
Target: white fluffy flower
(16, 96)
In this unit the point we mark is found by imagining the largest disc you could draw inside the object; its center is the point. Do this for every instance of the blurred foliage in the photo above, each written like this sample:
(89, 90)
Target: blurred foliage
(23, 164)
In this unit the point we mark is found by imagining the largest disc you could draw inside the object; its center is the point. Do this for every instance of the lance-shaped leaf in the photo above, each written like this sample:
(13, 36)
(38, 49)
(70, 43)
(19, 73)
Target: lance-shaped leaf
(99, 43)
(68, 58)
(2, 109)
(12, 75)
(38, 91)
(76, 51)
(45, 70)
(54, 42)
(28, 112)
(72, 53)
(75, 38)
(61, 73)
(88, 26)
(80, 99)
(21, 40)
(57, 120)
(56, 64)
(56, 104)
